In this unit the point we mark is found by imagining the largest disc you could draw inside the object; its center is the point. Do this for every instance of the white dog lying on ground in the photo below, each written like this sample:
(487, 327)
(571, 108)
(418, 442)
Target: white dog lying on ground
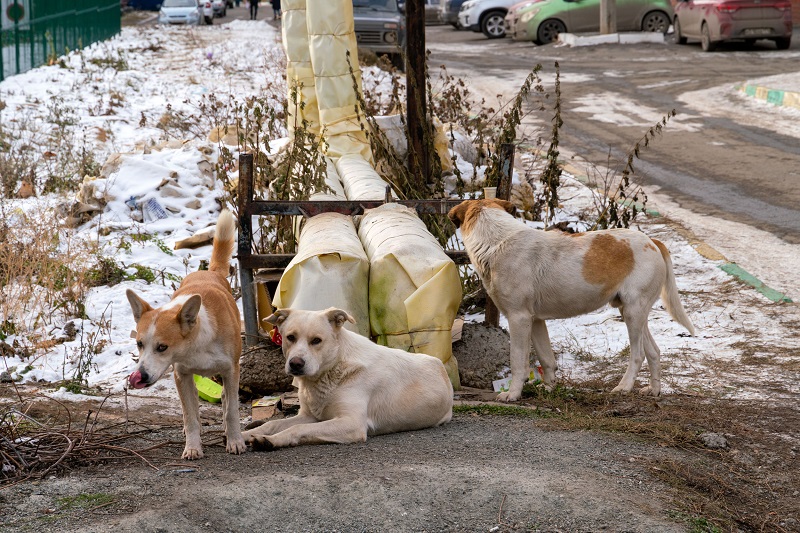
(533, 275)
(350, 387)
(197, 332)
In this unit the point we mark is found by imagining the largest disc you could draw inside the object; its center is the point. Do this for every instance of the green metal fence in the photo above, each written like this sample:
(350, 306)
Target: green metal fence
(34, 31)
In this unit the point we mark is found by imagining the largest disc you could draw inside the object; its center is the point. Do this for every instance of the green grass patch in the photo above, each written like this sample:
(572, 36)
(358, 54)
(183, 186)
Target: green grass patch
(501, 410)
(84, 501)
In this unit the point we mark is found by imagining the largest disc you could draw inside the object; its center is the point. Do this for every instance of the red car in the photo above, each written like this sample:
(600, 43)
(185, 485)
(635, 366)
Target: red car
(715, 21)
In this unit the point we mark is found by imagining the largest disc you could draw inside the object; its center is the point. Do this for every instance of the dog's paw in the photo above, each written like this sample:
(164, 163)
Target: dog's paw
(650, 391)
(192, 453)
(508, 397)
(236, 446)
(261, 443)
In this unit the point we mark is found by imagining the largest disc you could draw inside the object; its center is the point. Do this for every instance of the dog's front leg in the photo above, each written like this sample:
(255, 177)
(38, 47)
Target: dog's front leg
(230, 407)
(191, 415)
(334, 431)
(276, 426)
(519, 326)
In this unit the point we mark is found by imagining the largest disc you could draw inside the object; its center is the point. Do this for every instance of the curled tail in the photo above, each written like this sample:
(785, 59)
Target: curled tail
(224, 242)
(669, 292)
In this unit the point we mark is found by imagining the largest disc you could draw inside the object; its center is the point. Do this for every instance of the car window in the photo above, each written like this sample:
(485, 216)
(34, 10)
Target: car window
(376, 5)
(179, 3)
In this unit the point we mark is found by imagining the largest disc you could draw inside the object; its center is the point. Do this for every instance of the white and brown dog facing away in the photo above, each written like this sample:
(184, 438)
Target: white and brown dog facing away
(350, 387)
(197, 332)
(533, 275)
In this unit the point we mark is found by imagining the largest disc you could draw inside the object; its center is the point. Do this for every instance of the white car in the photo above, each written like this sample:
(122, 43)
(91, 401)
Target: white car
(485, 16)
(190, 12)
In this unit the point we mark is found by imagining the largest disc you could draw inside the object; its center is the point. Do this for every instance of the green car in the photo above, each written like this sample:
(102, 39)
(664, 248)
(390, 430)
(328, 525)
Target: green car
(542, 20)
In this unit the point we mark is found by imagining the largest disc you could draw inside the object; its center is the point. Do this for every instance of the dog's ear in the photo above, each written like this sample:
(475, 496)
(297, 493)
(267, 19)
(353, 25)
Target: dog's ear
(456, 214)
(510, 208)
(138, 306)
(339, 317)
(278, 317)
(188, 315)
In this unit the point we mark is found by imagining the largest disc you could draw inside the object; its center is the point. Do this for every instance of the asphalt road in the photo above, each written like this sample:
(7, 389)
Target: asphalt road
(710, 161)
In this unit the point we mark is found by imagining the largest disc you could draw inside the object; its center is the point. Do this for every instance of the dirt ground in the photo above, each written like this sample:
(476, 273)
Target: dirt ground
(576, 459)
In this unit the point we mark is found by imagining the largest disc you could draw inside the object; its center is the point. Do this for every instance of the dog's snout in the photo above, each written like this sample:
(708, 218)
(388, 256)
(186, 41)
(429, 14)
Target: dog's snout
(296, 365)
(139, 379)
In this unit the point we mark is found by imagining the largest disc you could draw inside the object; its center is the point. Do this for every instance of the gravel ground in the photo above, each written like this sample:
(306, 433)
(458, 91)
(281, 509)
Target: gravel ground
(477, 473)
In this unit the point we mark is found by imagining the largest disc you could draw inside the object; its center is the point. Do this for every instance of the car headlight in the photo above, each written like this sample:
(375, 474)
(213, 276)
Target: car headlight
(524, 19)
(467, 5)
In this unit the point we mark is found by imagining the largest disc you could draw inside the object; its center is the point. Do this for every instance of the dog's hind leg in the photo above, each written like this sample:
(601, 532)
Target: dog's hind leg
(653, 355)
(520, 326)
(230, 409)
(191, 415)
(544, 350)
(636, 322)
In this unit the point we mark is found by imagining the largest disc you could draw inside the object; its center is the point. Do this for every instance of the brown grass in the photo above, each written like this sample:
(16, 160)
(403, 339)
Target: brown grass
(753, 485)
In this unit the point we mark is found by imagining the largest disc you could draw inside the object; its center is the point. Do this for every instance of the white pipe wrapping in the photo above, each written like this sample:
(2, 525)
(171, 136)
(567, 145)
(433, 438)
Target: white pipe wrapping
(329, 270)
(298, 68)
(331, 36)
(414, 288)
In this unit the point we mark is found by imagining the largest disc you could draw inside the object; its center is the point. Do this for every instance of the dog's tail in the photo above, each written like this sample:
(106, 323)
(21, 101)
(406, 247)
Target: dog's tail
(224, 242)
(669, 292)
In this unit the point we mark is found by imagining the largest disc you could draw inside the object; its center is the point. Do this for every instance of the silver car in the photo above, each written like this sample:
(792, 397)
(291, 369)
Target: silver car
(184, 12)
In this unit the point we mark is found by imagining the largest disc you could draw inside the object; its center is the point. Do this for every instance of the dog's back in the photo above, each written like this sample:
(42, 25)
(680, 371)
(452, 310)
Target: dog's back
(407, 390)
(212, 284)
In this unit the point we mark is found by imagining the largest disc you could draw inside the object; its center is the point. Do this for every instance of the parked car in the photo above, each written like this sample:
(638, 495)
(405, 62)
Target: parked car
(485, 16)
(220, 8)
(716, 21)
(542, 21)
(448, 12)
(185, 12)
(381, 28)
(149, 5)
(431, 10)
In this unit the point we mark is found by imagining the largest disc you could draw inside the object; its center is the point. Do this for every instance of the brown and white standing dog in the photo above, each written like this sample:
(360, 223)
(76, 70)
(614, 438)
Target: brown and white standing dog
(197, 332)
(533, 275)
(350, 387)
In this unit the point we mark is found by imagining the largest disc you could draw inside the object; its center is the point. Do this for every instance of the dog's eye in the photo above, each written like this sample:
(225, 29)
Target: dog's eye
(161, 348)
(315, 340)
(140, 344)
(291, 338)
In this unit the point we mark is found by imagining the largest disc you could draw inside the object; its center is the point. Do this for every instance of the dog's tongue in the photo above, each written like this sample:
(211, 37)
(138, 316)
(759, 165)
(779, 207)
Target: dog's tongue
(135, 380)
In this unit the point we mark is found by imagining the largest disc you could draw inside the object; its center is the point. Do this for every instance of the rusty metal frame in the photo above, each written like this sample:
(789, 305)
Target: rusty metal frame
(248, 208)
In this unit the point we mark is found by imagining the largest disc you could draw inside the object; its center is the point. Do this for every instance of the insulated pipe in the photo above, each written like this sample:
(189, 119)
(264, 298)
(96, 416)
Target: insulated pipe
(299, 73)
(331, 36)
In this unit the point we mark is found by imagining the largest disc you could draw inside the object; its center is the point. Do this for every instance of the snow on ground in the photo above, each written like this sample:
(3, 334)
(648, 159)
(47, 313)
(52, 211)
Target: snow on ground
(742, 341)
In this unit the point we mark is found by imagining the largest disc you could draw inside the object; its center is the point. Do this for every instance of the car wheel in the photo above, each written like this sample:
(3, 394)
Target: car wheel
(676, 32)
(549, 30)
(656, 21)
(705, 39)
(493, 25)
(456, 25)
(225, 12)
(783, 43)
(210, 20)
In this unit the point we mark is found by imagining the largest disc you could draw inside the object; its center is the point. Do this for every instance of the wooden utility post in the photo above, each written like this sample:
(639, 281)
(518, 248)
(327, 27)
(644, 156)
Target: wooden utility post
(419, 128)
(608, 16)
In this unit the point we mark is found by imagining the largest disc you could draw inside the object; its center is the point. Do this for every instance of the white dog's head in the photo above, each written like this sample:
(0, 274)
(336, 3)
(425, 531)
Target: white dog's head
(310, 339)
